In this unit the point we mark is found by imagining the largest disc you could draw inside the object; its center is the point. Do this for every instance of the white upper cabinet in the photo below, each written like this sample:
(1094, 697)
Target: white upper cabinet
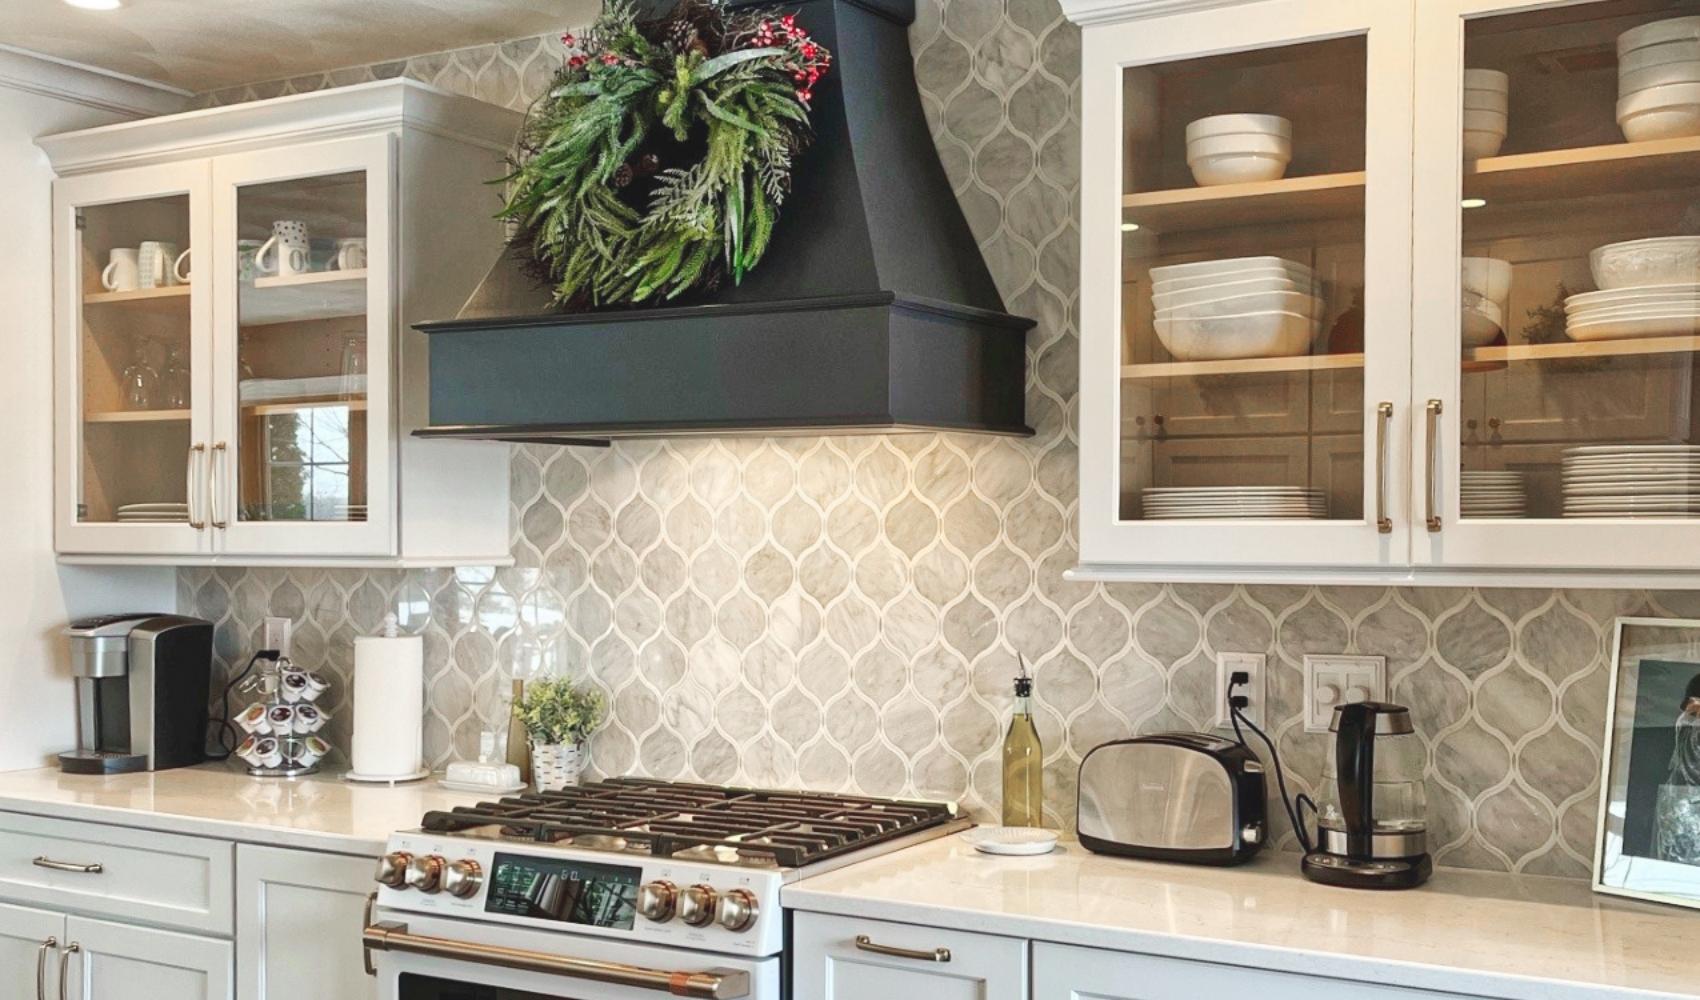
(1337, 336)
(237, 375)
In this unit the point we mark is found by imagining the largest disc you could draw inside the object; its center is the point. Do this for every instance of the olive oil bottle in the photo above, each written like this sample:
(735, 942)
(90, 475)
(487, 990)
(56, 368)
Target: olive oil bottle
(1023, 761)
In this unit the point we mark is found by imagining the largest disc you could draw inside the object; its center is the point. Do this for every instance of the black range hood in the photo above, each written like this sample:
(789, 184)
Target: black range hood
(872, 310)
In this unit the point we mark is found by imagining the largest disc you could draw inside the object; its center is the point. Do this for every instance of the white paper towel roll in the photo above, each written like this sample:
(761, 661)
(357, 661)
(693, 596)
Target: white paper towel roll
(389, 706)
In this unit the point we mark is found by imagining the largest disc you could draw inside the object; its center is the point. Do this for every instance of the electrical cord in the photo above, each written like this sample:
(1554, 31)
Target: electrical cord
(1293, 808)
(226, 731)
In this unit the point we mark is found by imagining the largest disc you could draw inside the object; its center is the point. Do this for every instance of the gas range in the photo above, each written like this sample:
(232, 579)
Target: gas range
(634, 864)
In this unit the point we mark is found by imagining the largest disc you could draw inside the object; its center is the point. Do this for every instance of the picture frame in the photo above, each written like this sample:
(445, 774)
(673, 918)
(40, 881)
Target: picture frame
(1647, 843)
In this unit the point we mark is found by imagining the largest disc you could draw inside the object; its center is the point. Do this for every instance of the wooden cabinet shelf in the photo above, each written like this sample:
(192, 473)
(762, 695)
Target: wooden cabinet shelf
(301, 297)
(137, 417)
(274, 407)
(1321, 196)
(1242, 366)
(1565, 173)
(179, 293)
(1584, 349)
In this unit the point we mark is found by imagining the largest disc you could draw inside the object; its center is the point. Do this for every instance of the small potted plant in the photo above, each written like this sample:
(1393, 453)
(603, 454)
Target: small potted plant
(558, 717)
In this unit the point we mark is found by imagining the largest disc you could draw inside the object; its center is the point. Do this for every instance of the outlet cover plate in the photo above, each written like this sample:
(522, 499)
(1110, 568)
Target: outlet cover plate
(1330, 678)
(277, 632)
(1229, 663)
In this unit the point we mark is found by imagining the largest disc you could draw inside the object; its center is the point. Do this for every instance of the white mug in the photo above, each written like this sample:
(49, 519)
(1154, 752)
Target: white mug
(291, 253)
(177, 267)
(155, 261)
(350, 254)
(122, 273)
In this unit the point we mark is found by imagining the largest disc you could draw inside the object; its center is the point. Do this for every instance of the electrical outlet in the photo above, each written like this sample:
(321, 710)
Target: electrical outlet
(277, 632)
(1334, 680)
(1228, 664)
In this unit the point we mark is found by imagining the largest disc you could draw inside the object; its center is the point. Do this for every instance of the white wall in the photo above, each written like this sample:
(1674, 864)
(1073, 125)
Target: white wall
(36, 594)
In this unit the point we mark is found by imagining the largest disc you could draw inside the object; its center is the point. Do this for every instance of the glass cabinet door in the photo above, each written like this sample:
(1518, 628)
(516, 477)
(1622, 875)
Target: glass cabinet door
(133, 315)
(302, 448)
(1246, 393)
(1558, 279)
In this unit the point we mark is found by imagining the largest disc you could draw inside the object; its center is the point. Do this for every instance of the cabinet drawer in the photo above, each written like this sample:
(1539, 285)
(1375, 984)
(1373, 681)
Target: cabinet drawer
(846, 958)
(144, 877)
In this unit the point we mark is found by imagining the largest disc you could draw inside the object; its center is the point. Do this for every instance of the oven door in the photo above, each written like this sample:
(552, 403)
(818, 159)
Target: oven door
(431, 958)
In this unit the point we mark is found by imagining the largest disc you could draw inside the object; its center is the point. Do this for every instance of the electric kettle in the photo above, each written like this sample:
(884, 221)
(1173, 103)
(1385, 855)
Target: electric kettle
(1371, 827)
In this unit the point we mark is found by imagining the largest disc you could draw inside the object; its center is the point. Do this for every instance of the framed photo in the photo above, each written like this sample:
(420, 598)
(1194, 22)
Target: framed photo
(1649, 828)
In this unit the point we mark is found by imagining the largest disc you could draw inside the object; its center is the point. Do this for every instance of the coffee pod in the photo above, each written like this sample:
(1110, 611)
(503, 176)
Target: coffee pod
(316, 745)
(248, 751)
(309, 719)
(282, 719)
(267, 753)
(295, 686)
(316, 685)
(306, 754)
(253, 720)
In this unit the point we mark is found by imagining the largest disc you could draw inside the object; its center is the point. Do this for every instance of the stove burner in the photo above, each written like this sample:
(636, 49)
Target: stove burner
(736, 826)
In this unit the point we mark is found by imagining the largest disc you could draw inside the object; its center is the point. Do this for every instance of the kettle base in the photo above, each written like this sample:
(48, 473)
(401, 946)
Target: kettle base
(1352, 873)
(101, 762)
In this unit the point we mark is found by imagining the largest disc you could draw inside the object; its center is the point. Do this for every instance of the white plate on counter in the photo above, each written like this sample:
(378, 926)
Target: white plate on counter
(1018, 841)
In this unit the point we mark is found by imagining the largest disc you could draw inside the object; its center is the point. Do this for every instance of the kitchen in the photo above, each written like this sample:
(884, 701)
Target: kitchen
(763, 598)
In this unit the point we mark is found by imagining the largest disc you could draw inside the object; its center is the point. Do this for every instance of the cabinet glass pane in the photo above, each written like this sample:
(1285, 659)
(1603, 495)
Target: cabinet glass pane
(1581, 135)
(133, 261)
(301, 353)
(1243, 322)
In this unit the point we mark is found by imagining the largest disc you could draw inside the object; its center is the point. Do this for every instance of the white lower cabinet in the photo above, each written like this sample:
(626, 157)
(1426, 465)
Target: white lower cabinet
(843, 958)
(123, 962)
(28, 941)
(1063, 972)
(298, 920)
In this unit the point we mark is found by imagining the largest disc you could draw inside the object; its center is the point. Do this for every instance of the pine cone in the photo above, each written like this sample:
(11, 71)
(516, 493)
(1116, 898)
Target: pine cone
(648, 164)
(623, 175)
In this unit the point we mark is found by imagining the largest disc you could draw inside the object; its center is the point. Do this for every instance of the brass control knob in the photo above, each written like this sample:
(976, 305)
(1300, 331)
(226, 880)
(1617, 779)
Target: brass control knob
(392, 869)
(737, 910)
(462, 878)
(696, 905)
(657, 900)
(425, 872)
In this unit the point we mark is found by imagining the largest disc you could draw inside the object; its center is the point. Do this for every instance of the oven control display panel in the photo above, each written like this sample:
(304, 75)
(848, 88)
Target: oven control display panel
(569, 892)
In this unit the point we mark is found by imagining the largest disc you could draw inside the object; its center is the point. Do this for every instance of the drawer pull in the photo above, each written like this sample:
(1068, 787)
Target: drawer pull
(865, 943)
(65, 969)
(67, 866)
(41, 967)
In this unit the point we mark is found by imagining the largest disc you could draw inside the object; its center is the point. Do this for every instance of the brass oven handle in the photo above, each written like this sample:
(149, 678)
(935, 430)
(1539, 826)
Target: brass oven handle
(68, 866)
(1383, 418)
(65, 967)
(865, 943)
(715, 984)
(1429, 499)
(197, 452)
(41, 967)
(214, 463)
(366, 949)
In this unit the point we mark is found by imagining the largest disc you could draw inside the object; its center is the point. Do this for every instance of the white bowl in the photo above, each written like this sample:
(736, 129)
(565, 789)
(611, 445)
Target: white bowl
(1662, 75)
(1219, 338)
(1239, 142)
(1229, 124)
(1480, 145)
(1303, 303)
(1170, 298)
(1668, 95)
(1479, 326)
(1489, 277)
(1486, 79)
(1238, 168)
(1226, 265)
(1679, 122)
(1683, 50)
(1486, 100)
(1669, 30)
(1273, 279)
(1482, 120)
(1682, 292)
(1665, 260)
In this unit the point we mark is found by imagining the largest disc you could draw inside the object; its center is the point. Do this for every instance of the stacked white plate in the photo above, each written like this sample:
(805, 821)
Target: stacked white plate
(1486, 112)
(1632, 480)
(1658, 80)
(1237, 307)
(1494, 494)
(1169, 503)
(153, 513)
(1648, 288)
(1238, 149)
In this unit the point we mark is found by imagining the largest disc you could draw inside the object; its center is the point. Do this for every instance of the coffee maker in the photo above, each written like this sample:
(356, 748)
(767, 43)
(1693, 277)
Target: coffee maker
(142, 690)
(1371, 827)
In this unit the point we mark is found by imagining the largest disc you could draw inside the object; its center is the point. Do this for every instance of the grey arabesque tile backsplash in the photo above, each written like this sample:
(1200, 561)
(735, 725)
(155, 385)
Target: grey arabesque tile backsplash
(845, 613)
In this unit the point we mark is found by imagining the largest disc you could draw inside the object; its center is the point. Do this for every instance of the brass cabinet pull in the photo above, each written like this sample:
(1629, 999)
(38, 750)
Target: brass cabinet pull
(197, 452)
(65, 968)
(1383, 418)
(715, 984)
(865, 943)
(41, 967)
(68, 866)
(1431, 501)
(220, 460)
(366, 949)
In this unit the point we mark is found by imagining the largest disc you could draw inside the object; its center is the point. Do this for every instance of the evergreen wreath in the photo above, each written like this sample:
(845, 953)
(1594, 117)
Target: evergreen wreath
(657, 160)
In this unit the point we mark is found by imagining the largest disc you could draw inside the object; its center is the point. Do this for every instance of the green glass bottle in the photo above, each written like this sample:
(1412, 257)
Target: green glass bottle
(1023, 761)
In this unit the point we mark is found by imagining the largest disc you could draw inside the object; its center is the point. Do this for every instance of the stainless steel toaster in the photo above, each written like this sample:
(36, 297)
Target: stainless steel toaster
(1173, 797)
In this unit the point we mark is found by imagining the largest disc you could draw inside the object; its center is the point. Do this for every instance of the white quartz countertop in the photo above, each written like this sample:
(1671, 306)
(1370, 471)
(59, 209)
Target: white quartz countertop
(1475, 933)
(319, 812)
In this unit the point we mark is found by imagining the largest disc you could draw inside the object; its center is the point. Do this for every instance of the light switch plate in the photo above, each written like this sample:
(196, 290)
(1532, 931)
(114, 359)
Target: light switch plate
(1252, 664)
(1338, 679)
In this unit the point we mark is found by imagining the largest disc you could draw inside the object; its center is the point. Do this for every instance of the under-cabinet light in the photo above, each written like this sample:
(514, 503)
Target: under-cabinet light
(1130, 227)
(1473, 203)
(96, 4)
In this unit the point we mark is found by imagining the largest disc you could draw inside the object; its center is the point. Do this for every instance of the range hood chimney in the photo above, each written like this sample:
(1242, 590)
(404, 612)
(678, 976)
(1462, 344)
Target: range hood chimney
(871, 311)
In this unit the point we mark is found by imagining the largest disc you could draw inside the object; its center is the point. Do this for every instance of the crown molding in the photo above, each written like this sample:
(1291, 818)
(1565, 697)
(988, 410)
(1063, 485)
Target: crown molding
(1092, 12)
(34, 73)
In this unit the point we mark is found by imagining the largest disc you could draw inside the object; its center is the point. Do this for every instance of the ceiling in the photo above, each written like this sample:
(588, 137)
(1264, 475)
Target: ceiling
(201, 45)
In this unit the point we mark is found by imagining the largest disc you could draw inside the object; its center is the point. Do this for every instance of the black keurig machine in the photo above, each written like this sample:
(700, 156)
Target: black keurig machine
(142, 689)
